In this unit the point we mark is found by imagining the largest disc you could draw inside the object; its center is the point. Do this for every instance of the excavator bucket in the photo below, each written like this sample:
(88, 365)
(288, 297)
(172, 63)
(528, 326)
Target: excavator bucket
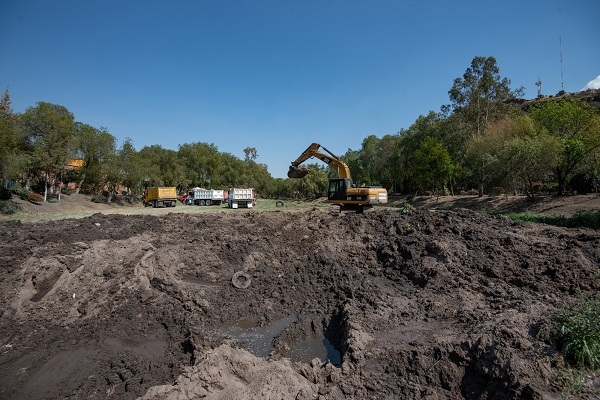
(297, 172)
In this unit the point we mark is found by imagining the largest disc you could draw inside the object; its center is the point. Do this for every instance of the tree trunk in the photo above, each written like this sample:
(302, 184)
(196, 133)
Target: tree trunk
(45, 186)
(78, 188)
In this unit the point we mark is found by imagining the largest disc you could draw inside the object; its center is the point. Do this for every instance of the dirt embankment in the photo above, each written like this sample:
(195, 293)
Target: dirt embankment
(427, 305)
(80, 205)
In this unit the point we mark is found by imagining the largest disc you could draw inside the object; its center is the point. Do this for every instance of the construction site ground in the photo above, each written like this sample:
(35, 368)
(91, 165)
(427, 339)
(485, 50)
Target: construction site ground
(443, 300)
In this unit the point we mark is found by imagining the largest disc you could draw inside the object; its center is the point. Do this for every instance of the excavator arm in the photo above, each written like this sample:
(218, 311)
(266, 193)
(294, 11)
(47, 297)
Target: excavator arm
(328, 158)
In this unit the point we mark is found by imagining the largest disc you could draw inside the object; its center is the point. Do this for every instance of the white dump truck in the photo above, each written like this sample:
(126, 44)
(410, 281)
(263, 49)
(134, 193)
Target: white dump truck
(205, 197)
(241, 198)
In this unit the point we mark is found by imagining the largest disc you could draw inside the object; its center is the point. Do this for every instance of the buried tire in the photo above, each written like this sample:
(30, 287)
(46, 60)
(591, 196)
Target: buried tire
(241, 280)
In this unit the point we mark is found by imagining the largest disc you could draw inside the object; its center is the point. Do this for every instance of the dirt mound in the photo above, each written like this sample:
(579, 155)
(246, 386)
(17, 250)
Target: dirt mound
(426, 305)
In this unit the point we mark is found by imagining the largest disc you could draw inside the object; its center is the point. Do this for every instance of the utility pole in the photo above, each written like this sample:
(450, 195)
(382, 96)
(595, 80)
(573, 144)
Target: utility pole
(562, 84)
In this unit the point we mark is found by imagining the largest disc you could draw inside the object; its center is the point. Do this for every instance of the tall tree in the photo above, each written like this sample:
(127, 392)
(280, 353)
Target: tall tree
(409, 141)
(51, 130)
(527, 158)
(315, 183)
(369, 154)
(481, 95)
(10, 140)
(94, 147)
(250, 154)
(577, 125)
(125, 168)
(483, 159)
(433, 165)
(202, 163)
(354, 163)
(165, 168)
(232, 171)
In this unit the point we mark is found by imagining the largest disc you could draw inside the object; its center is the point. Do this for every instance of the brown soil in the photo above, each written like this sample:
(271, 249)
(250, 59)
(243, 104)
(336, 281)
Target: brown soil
(441, 303)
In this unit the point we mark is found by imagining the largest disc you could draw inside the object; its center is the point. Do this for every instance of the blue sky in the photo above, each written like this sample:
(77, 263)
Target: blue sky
(278, 75)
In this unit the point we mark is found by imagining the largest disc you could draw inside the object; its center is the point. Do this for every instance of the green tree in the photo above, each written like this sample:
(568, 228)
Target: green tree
(125, 169)
(576, 125)
(50, 129)
(94, 147)
(202, 163)
(483, 154)
(233, 171)
(433, 166)
(353, 161)
(10, 140)
(481, 95)
(385, 164)
(163, 167)
(527, 160)
(250, 154)
(314, 184)
(369, 153)
(261, 180)
(408, 142)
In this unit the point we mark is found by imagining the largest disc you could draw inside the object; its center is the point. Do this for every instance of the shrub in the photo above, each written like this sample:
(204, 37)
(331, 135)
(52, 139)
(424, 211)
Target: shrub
(578, 333)
(98, 199)
(18, 189)
(406, 208)
(8, 207)
(580, 219)
(497, 191)
(66, 190)
(34, 197)
(5, 194)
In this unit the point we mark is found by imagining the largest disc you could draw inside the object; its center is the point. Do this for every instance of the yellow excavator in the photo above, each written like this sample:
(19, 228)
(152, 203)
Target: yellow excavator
(342, 191)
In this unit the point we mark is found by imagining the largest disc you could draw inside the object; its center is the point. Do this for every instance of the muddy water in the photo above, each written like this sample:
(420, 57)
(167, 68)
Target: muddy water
(317, 347)
(259, 341)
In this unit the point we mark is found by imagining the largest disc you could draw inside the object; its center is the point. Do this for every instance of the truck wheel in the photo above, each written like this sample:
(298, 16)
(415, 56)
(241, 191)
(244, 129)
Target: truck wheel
(154, 205)
(208, 202)
(202, 202)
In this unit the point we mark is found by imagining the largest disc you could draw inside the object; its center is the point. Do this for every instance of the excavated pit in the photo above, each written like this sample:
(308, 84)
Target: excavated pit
(285, 338)
(384, 304)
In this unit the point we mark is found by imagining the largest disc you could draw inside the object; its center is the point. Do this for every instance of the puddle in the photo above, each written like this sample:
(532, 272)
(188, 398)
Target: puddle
(318, 347)
(259, 341)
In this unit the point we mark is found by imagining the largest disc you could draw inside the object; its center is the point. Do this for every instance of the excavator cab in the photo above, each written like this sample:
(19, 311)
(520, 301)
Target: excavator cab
(337, 188)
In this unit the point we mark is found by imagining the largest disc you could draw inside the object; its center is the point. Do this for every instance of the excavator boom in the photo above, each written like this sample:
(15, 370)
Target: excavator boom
(334, 162)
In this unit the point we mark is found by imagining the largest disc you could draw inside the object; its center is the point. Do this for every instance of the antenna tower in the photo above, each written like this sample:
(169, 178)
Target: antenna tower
(539, 86)
(562, 84)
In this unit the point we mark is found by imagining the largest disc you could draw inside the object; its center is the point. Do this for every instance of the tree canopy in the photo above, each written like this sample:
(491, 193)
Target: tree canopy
(487, 138)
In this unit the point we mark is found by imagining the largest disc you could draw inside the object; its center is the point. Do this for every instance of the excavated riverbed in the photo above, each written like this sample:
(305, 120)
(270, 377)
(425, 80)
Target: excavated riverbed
(381, 305)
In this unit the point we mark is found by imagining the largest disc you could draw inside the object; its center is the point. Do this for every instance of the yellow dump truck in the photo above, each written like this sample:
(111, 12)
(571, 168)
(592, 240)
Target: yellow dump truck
(160, 197)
